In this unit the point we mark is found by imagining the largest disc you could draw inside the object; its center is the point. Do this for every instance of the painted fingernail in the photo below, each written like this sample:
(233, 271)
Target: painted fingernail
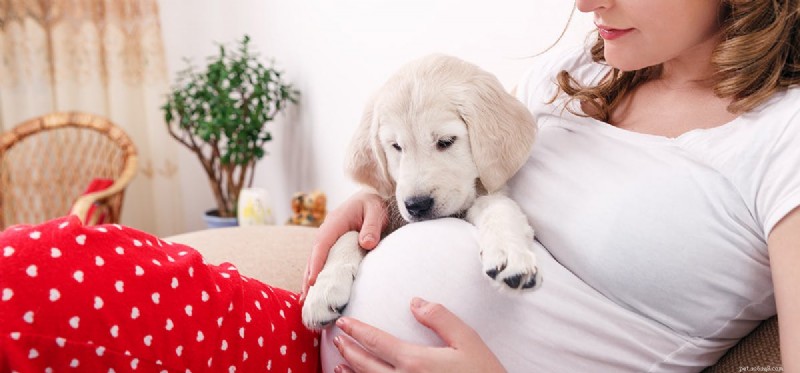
(341, 323)
(418, 302)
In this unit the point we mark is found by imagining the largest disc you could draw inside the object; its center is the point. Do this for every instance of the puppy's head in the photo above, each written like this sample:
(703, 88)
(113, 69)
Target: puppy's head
(437, 134)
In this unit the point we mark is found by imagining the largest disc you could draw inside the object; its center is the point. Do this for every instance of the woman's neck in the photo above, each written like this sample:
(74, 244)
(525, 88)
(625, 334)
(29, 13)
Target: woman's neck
(692, 69)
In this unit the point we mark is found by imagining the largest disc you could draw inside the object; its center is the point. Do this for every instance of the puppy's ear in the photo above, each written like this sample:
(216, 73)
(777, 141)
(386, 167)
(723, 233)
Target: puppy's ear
(501, 129)
(366, 162)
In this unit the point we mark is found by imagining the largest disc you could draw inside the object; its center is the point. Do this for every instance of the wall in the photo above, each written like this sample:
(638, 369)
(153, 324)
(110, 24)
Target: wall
(336, 53)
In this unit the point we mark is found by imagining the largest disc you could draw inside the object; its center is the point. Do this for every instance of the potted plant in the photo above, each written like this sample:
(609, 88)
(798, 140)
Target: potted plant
(221, 114)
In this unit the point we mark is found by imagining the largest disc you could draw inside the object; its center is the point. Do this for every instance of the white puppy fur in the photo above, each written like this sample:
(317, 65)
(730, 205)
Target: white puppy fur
(439, 139)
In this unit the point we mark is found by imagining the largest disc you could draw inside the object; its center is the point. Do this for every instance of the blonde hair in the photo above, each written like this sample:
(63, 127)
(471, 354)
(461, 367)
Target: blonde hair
(758, 56)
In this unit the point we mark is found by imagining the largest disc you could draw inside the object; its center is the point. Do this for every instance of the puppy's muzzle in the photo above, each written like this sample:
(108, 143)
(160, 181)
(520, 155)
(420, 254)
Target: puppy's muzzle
(419, 207)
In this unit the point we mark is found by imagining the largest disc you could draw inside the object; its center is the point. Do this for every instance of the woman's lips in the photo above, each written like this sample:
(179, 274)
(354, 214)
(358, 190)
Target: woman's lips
(609, 33)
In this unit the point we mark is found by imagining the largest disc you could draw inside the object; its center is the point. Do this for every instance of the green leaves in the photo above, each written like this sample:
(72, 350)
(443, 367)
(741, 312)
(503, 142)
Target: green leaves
(231, 100)
(221, 112)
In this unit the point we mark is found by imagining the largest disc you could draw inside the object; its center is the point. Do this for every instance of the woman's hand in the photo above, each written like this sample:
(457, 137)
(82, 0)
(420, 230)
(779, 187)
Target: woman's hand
(381, 352)
(364, 212)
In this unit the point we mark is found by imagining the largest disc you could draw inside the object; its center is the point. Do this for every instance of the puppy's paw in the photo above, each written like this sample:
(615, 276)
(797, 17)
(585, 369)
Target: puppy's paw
(513, 266)
(327, 299)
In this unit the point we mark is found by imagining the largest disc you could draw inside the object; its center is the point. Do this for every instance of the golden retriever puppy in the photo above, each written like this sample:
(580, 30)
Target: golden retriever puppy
(439, 139)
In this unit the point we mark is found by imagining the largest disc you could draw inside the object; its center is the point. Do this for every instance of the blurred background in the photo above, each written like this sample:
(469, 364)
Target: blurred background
(117, 58)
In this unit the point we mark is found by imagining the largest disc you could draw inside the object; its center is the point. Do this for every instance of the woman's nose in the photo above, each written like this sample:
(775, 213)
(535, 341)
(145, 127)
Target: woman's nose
(587, 6)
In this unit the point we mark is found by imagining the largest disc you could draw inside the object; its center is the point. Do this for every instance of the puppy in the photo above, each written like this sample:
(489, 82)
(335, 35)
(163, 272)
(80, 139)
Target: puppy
(439, 139)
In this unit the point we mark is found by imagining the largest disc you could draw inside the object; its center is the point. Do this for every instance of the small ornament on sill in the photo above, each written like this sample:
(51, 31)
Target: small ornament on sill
(308, 209)
(255, 207)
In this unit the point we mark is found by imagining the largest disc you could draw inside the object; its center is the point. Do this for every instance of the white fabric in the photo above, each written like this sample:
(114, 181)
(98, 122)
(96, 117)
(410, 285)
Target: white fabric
(656, 254)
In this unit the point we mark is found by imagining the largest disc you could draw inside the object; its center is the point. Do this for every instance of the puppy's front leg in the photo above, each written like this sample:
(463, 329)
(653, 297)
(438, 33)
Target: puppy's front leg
(506, 241)
(328, 297)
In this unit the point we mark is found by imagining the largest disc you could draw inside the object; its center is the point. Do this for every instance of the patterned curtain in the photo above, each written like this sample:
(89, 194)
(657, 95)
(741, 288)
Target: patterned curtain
(104, 57)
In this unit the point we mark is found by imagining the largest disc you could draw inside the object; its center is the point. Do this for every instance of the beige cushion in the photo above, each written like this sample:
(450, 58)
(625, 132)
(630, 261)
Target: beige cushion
(276, 255)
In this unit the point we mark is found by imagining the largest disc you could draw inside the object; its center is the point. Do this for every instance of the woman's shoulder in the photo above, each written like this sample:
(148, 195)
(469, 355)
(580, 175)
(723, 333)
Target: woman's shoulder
(778, 116)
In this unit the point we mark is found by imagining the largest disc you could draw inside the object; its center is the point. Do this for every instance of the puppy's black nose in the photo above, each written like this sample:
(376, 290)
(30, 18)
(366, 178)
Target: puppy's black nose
(420, 206)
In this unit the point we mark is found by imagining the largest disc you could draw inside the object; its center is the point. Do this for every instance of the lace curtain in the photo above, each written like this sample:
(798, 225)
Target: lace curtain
(104, 57)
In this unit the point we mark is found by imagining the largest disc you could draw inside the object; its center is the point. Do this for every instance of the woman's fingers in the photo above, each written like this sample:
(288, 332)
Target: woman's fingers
(453, 331)
(330, 231)
(364, 212)
(358, 358)
(375, 221)
(377, 343)
(373, 350)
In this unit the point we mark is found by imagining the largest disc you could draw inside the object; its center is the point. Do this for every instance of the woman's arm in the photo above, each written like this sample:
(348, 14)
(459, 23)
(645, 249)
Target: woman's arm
(364, 212)
(784, 253)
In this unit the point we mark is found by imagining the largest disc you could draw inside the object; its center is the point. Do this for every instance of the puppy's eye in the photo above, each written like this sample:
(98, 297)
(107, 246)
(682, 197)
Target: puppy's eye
(445, 143)
(397, 147)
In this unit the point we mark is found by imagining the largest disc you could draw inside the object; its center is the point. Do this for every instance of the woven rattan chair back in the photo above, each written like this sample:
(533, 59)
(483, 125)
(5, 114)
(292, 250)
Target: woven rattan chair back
(46, 163)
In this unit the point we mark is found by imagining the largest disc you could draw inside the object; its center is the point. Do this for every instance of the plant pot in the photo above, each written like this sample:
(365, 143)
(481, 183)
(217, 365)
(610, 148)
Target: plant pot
(213, 220)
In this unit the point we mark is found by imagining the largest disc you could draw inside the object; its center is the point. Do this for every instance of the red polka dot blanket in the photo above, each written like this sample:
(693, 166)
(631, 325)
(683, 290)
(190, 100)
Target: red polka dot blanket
(113, 299)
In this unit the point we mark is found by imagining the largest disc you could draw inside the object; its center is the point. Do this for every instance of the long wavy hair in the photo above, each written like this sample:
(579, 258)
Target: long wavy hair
(758, 56)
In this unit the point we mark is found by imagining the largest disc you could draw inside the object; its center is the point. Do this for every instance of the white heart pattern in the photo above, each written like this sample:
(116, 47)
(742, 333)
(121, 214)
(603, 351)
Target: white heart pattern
(148, 339)
(98, 303)
(74, 322)
(32, 270)
(120, 286)
(55, 252)
(81, 239)
(54, 295)
(156, 298)
(135, 313)
(8, 251)
(170, 325)
(115, 331)
(78, 276)
(7, 294)
(28, 317)
(35, 235)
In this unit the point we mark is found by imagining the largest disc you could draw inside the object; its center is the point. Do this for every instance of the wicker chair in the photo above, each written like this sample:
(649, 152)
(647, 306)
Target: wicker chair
(47, 163)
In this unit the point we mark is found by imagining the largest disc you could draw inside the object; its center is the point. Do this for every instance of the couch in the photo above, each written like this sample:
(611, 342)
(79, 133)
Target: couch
(277, 255)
